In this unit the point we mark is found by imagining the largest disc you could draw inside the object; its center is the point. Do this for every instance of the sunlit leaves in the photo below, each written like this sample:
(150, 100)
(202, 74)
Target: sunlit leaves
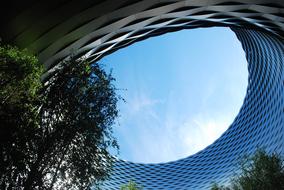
(54, 136)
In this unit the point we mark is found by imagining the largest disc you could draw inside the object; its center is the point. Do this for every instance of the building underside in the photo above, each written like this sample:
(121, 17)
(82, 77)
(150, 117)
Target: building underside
(92, 29)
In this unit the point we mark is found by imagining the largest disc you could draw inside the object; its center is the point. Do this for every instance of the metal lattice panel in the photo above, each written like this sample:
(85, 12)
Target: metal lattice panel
(53, 29)
(94, 28)
(260, 123)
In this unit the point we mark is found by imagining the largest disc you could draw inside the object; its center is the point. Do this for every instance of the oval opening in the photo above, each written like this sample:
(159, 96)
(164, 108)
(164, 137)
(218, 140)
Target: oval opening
(182, 91)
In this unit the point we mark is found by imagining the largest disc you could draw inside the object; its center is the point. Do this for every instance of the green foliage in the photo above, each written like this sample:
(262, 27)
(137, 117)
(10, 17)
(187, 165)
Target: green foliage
(19, 112)
(215, 186)
(259, 172)
(131, 185)
(19, 75)
(78, 115)
(19, 86)
(54, 136)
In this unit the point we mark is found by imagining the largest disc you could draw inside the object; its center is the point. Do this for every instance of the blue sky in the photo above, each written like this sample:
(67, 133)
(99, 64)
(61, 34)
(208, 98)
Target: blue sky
(182, 91)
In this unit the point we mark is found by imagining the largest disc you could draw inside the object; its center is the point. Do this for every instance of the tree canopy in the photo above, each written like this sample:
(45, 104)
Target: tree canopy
(131, 185)
(20, 83)
(260, 171)
(54, 135)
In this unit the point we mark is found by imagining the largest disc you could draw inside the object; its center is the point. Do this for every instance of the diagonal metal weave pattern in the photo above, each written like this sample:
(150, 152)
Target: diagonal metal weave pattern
(94, 28)
(260, 123)
(53, 29)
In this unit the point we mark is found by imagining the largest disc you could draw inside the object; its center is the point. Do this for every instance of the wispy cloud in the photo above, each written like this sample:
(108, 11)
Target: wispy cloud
(161, 138)
(175, 109)
(201, 131)
(142, 101)
(162, 142)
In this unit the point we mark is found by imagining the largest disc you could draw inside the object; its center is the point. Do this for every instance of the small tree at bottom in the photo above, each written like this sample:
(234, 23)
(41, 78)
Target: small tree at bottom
(131, 185)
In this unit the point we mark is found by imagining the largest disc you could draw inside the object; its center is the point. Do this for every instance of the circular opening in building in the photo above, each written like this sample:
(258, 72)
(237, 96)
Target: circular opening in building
(182, 90)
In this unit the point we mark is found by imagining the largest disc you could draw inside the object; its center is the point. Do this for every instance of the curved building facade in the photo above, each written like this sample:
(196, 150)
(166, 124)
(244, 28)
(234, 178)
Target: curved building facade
(94, 28)
(260, 123)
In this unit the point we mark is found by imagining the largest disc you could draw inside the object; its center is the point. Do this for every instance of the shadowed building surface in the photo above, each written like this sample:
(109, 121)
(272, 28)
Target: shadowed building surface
(93, 29)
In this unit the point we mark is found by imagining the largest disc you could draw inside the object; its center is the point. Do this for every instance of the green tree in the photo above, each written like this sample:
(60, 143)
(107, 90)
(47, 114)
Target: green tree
(259, 172)
(19, 113)
(131, 185)
(77, 119)
(215, 186)
(56, 135)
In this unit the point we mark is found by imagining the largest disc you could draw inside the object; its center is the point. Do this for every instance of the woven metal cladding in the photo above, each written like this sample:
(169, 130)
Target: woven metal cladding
(94, 28)
(53, 29)
(260, 123)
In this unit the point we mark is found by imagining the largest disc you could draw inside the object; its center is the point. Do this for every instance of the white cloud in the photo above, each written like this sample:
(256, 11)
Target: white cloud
(163, 141)
(139, 103)
(158, 139)
(142, 101)
(201, 131)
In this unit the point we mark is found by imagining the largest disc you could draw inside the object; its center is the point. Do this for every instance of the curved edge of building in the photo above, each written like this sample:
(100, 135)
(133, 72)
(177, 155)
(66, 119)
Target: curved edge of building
(95, 28)
(259, 124)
